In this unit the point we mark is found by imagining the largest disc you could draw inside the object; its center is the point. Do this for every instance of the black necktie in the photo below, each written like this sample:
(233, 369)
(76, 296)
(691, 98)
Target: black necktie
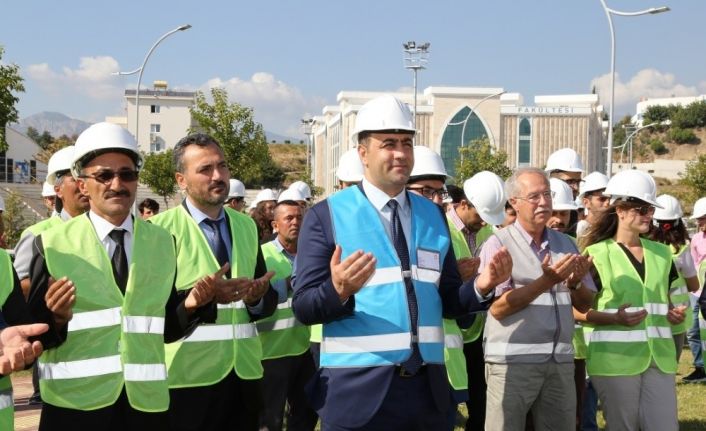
(414, 363)
(119, 259)
(218, 246)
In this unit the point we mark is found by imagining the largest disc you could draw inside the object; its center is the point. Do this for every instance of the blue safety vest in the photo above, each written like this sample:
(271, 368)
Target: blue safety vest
(379, 332)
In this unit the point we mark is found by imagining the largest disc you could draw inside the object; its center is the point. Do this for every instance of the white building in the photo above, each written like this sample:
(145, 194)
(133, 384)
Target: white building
(19, 163)
(645, 103)
(451, 117)
(164, 117)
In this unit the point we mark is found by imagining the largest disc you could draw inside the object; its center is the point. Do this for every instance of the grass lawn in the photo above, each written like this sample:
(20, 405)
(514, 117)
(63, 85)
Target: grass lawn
(691, 401)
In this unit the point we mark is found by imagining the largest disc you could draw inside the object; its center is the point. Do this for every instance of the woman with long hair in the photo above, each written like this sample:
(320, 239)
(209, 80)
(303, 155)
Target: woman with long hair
(631, 355)
(669, 229)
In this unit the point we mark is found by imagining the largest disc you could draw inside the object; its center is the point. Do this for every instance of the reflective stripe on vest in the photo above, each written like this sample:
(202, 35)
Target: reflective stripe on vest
(230, 343)
(618, 350)
(114, 341)
(679, 294)
(454, 358)
(379, 330)
(6, 399)
(547, 322)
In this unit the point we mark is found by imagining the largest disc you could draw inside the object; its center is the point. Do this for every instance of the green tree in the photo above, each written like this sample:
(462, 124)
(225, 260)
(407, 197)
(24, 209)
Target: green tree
(14, 220)
(306, 177)
(52, 147)
(243, 140)
(694, 177)
(10, 83)
(479, 156)
(158, 174)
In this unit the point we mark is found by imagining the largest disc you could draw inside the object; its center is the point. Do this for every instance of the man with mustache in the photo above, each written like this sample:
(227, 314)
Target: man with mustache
(215, 373)
(528, 351)
(375, 265)
(287, 361)
(104, 282)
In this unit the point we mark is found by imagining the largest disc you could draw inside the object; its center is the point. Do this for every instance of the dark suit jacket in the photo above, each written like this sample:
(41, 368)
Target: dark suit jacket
(352, 396)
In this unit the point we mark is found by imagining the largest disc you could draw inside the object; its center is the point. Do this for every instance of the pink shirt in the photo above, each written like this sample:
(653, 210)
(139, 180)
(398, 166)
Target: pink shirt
(698, 248)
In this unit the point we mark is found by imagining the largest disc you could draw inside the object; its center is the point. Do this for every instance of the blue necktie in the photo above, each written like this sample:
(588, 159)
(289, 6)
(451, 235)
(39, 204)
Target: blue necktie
(414, 363)
(218, 246)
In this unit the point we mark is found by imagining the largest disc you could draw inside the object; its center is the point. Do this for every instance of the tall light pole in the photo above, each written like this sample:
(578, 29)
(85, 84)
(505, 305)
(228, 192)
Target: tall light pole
(609, 14)
(416, 57)
(139, 79)
(308, 129)
(473, 109)
(629, 140)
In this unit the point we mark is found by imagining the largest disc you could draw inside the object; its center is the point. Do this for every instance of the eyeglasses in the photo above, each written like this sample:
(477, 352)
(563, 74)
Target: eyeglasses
(534, 198)
(572, 182)
(644, 210)
(105, 177)
(429, 192)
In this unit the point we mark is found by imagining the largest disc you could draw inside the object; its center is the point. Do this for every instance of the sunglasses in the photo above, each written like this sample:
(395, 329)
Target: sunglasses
(105, 177)
(644, 209)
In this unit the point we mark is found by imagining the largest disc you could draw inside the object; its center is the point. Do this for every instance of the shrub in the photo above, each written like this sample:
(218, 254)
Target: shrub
(658, 147)
(681, 136)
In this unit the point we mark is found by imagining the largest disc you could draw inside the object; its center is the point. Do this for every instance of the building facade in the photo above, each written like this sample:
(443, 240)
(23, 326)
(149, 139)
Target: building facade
(19, 164)
(165, 116)
(449, 118)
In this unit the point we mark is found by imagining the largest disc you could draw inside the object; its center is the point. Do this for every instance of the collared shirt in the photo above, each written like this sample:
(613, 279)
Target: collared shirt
(492, 245)
(103, 228)
(468, 234)
(23, 248)
(698, 248)
(379, 200)
(280, 286)
(207, 230)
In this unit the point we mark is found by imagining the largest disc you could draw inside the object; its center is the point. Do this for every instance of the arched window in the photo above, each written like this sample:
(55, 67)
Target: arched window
(524, 143)
(463, 128)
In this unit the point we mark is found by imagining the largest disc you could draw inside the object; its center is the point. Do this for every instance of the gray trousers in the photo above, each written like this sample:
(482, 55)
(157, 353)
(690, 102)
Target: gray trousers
(646, 402)
(546, 389)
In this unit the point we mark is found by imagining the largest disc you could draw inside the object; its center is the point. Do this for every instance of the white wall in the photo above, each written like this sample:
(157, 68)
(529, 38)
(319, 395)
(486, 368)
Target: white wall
(23, 149)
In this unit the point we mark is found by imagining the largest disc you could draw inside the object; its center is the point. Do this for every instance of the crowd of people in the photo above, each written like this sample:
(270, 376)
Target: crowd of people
(384, 306)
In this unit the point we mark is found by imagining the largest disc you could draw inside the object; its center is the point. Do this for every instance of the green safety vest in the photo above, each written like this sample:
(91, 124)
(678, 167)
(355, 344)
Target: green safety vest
(112, 340)
(617, 350)
(454, 358)
(461, 250)
(7, 283)
(43, 225)
(679, 294)
(281, 334)
(209, 353)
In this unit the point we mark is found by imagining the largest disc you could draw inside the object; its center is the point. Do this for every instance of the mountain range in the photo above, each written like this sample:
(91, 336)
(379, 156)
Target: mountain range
(58, 124)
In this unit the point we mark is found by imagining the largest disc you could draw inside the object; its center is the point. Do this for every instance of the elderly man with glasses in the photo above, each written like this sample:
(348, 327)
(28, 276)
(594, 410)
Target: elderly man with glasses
(528, 351)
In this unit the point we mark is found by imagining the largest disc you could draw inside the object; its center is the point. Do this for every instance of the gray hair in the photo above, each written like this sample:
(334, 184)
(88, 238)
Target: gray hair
(512, 186)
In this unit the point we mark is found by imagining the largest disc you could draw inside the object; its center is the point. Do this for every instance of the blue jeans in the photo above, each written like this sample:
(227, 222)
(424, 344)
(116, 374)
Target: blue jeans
(590, 408)
(692, 336)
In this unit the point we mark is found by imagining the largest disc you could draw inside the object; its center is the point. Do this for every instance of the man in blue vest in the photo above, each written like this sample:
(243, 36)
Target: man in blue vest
(375, 266)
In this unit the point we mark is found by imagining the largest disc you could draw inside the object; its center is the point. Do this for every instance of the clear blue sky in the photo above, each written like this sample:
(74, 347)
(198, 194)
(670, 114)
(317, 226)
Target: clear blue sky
(289, 58)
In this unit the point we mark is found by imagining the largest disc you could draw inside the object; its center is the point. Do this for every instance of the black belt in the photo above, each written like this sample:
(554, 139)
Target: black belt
(400, 371)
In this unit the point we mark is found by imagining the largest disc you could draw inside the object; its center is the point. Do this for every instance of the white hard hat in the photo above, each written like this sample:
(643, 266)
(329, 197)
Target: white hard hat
(291, 194)
(671, 208)
(592, 182)
(350, 167)
(237, 189)
(47, 190)
(563, 197)
(102, 137)
(699, 209)
(59, 161)
(264, 195)
(632, 183)
(566, 160)
(427, 162)
(383, 113)
(302, 187)
(579, 203)
(486, 192)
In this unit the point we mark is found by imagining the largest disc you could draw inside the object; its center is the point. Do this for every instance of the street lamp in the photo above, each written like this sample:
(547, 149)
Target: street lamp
(416, 57)
(308, 129)
(628, 142)
(142, 69)
(465, 121)
(609, 14)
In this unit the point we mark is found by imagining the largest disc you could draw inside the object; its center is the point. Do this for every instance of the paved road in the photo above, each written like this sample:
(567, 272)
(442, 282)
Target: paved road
(26, 416)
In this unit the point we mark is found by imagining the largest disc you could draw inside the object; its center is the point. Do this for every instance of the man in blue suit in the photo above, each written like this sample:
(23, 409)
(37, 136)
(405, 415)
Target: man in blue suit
(375, 266)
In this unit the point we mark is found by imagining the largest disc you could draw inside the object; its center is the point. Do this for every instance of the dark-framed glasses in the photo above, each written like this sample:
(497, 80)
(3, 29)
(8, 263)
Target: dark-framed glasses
(644, 210)
(106, 176)
(429, 192)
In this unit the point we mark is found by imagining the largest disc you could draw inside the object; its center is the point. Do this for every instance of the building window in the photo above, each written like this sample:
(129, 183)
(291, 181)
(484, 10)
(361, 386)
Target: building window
(463, 128)
(154, 109)
(156, 141)
(524, 143)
